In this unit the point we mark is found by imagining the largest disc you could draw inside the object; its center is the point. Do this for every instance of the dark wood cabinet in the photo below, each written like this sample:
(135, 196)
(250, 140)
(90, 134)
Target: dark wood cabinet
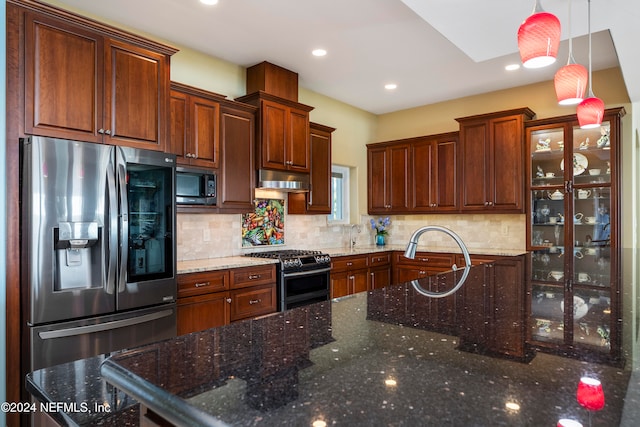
(414, 175)
(195, 126)
(491, 161)
(349, 275)
(214, 298)
(90, 82)
(433, 173)
(388, 180)
(283, 132)
(238, 176)
(318, 199)
(253, 291)
(202, 301)
(423, 265)
(202, 312)
(379, 270)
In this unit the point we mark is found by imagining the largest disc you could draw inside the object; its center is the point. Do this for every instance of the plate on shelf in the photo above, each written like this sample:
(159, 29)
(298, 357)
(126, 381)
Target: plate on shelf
(580, 163)
(580, 308)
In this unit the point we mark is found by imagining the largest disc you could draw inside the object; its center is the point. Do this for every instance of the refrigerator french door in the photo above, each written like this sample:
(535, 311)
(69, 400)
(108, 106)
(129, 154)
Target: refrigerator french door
(99, 248)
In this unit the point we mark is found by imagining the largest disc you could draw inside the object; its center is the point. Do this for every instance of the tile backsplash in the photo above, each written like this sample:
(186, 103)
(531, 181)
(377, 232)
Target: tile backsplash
(202, 236)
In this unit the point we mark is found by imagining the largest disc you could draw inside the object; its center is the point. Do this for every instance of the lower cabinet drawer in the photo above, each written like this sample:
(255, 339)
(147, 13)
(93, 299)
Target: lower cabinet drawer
(252, 302)
(205, 282)
(252, 276)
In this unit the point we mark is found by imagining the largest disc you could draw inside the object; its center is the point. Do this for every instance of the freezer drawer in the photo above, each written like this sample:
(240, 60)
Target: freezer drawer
(67, 341)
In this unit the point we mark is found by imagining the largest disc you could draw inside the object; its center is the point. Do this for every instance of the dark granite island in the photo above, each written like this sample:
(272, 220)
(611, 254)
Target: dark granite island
(369, 359)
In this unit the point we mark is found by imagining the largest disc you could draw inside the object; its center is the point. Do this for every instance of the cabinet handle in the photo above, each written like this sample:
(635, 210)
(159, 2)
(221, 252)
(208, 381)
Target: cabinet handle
(424, 259)
(229, 300)
(422, 272)
(568, 187)
(101, 131)
(349, 264)
(254, 276)
(199, 285)
(108, 132)
(255, 301)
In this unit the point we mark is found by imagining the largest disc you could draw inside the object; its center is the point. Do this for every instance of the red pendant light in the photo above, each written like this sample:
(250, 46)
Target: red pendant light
(570, 81)
(539, 38)
(591, 110)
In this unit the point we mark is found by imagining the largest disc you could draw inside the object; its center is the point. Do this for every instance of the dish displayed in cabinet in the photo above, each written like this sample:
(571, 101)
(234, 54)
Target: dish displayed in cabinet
(580, 164)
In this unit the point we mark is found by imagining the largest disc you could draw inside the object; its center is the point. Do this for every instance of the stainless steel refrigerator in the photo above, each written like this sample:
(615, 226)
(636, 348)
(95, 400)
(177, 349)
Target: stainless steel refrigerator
(98, 248)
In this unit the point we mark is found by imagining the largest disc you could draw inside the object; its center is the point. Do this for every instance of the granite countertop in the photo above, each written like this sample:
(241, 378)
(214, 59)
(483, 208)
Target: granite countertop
(210, 264)
(372, 357)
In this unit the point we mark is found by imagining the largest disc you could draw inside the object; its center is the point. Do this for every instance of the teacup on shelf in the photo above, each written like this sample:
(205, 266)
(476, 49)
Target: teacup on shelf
(594, 171)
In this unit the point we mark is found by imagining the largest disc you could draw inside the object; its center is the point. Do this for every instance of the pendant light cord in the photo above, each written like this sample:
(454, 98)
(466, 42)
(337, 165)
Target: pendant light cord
(570, 60)
(589, 29)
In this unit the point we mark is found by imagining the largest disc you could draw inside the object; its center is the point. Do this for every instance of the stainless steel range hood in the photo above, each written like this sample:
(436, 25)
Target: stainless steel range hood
(282, 181)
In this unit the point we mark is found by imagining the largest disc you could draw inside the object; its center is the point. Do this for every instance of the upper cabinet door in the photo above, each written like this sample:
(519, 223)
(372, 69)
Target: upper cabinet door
(474, 146)
(298, 144)
(179, 126)
(492, 161)
(507, 163)
(388, 178)
(320, 178)
(377, 180)
(195, 126)
(93, 83)
(63, 82)
(274, 133)
(205, 124)
(237, 183)
(136, 96)
(422, 160)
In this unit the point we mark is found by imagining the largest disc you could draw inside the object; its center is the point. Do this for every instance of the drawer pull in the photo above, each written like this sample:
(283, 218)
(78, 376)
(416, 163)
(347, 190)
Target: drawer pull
(254, 276)
(199, 285)
(349, 264)
(229, 300)
(424, 259)
(255, 301)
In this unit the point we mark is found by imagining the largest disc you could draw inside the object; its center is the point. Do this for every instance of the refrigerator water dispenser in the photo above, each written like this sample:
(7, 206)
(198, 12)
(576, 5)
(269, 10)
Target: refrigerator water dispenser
(76, 250)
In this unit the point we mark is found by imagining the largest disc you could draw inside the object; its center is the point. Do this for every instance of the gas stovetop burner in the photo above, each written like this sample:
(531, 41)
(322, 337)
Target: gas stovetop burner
(293, 259)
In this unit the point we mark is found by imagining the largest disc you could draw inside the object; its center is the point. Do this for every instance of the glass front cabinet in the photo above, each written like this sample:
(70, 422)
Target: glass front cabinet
(573, 234)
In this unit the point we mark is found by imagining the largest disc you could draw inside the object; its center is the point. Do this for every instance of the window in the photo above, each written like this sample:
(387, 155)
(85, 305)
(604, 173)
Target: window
(339, 195)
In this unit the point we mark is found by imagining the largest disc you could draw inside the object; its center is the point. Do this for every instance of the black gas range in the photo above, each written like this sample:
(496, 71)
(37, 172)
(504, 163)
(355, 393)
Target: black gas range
(303, 276)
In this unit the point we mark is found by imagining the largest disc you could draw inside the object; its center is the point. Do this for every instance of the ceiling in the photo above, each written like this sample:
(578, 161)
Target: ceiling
(434, 50)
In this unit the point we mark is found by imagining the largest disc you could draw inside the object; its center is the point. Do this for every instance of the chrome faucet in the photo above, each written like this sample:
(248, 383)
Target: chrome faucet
(352, 238)
(410, 252)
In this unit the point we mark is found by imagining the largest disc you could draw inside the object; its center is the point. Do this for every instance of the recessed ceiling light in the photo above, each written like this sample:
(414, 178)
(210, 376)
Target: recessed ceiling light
(209, 2)
(512, 67)
(318, 52)
(390, 86)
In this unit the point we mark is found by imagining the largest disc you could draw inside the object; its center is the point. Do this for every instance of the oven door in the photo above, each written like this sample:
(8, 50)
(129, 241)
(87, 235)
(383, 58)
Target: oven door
(304, 287)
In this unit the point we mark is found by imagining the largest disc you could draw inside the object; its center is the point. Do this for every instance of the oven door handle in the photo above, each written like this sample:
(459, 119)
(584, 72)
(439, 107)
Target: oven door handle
(306, 273)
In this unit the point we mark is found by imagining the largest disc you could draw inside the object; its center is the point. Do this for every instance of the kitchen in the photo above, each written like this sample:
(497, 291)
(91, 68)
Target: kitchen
(507, 233)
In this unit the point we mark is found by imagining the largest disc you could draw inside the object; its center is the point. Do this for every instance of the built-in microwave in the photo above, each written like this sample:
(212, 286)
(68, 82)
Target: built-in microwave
(195, 186)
